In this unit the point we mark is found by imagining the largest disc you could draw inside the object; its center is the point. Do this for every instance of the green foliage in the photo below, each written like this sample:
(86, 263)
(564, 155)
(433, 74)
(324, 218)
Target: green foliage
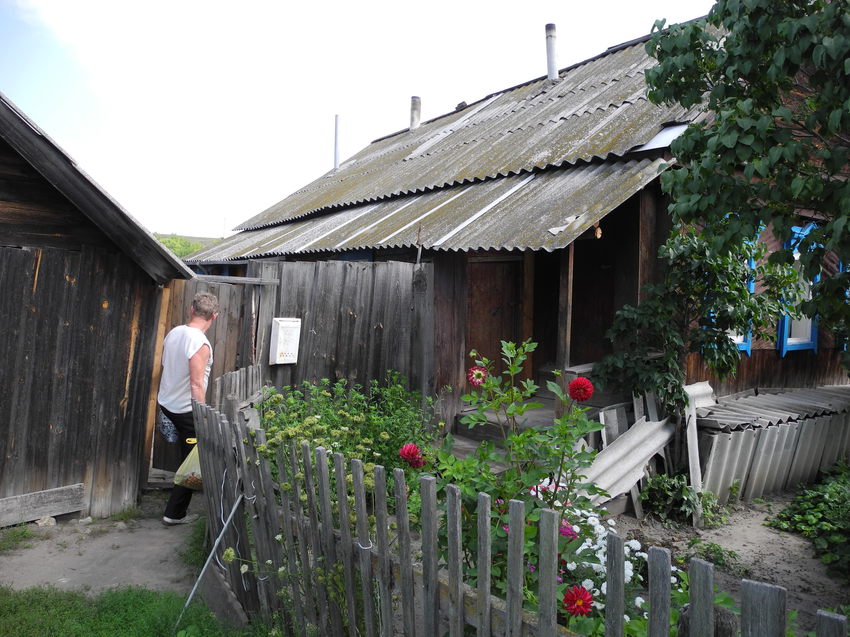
(180, 246)
(128, 514)
(704, 297)
(15, 537)
(822, 514)
(774, 77)
(128, 612)
(370, 427)
(724, 559)
(673, 501)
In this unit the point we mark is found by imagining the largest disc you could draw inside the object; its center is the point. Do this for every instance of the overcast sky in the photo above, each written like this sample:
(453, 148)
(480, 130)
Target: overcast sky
(197, 115)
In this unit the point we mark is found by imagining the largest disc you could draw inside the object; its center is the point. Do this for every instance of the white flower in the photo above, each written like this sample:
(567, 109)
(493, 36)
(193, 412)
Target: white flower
(612, 522)
(593, 520)
(672, 580)
(604, 588)
(243, 569)
(626, 617)
(598, 605)
(571, 566)
(278, 537)
(599, 568)
(588, 584)
(600, 530)
(281, 571)
(268, 562)
(641, 555)
(639, 601)
(633, 544)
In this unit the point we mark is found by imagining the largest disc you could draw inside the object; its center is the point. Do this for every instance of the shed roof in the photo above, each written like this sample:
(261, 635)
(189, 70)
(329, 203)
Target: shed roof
(501, 173)
(58, 168)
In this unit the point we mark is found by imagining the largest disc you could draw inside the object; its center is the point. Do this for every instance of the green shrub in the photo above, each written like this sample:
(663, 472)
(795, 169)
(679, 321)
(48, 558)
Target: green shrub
(822, 514)
(369, 426)
(672, 500)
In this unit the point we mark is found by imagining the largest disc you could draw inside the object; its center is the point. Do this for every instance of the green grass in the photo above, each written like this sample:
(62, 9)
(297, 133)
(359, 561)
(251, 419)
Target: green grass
(196, 550)
(131, 513)
(128, 612)
(15, 537)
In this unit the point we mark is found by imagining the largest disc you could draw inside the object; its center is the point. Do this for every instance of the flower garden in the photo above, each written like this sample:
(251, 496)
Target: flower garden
(542, 467)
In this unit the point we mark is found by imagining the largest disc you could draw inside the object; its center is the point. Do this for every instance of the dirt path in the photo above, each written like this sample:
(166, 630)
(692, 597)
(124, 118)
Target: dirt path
(105, 553)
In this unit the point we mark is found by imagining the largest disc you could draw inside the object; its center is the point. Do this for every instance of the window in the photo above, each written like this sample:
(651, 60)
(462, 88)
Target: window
(802, 333)
(744, 341)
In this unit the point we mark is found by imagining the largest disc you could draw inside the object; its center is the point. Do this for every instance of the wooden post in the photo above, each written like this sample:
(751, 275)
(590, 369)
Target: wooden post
(762, 610)
(648, 210)
(701, 575)
(548, 567)
(615, 590)
(161, 325)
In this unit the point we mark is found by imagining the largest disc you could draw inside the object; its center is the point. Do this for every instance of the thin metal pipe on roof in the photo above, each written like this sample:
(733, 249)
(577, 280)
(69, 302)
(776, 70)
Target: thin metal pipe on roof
(551, 66)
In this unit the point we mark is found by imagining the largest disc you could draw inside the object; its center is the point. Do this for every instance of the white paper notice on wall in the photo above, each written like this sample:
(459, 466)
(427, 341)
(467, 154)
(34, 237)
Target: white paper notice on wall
(286, 333)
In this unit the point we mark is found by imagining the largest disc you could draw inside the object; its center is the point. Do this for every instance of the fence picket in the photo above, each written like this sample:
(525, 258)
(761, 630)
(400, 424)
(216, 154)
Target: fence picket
(385, 597)
(320, 582)
(455, 566)
(328, 540)
(701, 576)
(404, 554)
(428, 531)
(831, 625)
(615, 588)
(288, 537)
(346, 546)
(485, 560)
(659, 591)
(303, 541)
(762, 610)
(364, 544)
(516, 567)
(548, 570)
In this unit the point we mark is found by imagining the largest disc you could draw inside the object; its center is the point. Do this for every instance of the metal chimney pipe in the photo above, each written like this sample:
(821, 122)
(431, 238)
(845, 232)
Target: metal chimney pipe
(551, 66)
(336, 142)
(415, 112)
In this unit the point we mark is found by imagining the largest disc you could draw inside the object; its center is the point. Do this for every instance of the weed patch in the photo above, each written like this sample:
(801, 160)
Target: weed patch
(15, 537)
(195, 552)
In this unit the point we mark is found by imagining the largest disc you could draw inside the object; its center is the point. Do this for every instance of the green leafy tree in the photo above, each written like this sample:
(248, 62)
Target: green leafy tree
(774, 81)
(702, 302)
(180, 246)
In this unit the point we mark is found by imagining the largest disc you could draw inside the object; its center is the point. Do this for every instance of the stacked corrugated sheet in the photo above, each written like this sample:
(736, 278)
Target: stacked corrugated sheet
(771, 442)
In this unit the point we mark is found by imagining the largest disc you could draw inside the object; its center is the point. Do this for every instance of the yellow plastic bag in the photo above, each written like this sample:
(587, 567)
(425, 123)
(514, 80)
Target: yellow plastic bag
(189, 473)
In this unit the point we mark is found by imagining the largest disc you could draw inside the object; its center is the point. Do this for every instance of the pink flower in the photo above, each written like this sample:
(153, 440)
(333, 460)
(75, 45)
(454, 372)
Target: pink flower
(578, 601)
(476, 375)
(580, 389)
(566, 530)
(411, 454)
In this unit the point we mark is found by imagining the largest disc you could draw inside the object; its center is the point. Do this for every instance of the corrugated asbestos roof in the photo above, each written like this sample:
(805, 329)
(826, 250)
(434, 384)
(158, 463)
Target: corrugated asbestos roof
(497, 174)
(557, 206)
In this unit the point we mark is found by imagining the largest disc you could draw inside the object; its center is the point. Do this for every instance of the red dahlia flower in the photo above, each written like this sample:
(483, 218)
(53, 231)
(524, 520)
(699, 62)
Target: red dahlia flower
(578, 601)
(580, 389)
(411, 454)
(476, 375)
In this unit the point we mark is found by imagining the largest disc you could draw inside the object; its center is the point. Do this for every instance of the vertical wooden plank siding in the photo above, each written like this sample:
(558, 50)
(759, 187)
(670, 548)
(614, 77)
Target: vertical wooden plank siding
(364, 545)
(455, 565)
(404, 553)
(615, 590)
(484, 564)
(762, 610)
(548, 569)
(701, 576)
(659, 591)
(831, 625)
(516, 567)
(430, 584)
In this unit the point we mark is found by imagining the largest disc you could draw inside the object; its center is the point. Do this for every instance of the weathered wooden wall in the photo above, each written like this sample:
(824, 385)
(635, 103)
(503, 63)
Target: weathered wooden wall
(76, 345)
(359, 319)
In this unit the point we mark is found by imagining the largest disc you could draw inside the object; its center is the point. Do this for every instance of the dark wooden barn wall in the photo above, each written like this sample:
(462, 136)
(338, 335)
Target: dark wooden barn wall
(77, 343)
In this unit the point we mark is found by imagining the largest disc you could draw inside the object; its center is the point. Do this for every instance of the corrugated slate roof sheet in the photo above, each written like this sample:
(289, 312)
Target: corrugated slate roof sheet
(498, 174)
(557, 206)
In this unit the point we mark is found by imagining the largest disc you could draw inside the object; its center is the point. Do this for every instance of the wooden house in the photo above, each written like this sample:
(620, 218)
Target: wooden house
(81, 283)
(538, 206)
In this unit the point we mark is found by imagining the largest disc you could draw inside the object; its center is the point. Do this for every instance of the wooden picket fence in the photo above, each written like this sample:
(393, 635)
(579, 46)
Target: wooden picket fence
(317, 569)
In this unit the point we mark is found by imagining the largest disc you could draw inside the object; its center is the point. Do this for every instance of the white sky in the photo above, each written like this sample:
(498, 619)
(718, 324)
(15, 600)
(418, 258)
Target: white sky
(197, 115)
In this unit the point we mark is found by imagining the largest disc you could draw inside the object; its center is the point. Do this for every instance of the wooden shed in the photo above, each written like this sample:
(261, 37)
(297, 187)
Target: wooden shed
(81, 284)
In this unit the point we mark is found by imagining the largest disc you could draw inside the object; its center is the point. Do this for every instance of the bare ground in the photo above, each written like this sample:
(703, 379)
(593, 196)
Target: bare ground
(141, 552)
(763, 554)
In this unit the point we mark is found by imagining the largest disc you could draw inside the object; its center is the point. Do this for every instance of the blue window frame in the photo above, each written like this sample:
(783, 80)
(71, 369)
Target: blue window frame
(798, 334)
(745, 341)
